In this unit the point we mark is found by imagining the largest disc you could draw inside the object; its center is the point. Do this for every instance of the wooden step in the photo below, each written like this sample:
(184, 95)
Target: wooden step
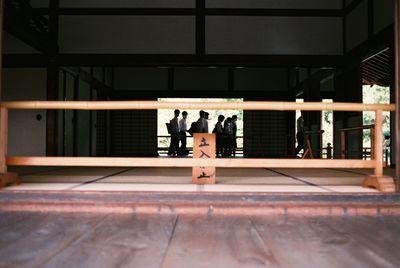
(308, 204)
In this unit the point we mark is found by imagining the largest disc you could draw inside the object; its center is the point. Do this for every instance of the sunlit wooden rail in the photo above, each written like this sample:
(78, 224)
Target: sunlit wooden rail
(376, 162)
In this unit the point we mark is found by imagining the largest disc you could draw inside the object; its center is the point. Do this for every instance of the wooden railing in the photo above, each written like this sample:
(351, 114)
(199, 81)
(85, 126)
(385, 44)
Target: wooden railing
(343, 137)
(376, 162)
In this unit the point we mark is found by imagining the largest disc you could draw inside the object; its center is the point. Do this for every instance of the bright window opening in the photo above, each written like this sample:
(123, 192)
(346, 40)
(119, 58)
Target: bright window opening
(327, 127)
(373, 95)
(165, 115)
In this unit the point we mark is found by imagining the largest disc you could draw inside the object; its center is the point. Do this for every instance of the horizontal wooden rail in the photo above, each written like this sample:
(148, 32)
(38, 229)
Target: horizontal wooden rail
(151, 105)
(357, 128)
(378, 181)
(187, 162)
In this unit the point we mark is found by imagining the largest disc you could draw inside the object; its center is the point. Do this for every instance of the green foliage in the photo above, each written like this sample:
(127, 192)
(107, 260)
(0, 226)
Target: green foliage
(374, 95)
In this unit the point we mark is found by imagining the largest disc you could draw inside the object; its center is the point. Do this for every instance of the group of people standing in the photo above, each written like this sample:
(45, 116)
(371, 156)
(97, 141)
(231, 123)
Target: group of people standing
(178, 128)
(225, 133)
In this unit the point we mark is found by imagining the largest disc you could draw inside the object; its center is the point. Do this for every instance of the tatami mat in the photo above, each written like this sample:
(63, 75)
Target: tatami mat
(184, 175)
(53, 186)
(179, 179)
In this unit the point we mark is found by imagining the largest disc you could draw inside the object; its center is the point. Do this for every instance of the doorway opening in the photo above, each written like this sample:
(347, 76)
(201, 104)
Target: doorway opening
(165, 115)
(374, 94)
(327, 135)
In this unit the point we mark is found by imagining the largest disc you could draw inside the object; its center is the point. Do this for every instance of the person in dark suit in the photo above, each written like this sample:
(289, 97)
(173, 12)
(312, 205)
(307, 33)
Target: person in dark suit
(174, 126)
(234, 135)
(182, 134)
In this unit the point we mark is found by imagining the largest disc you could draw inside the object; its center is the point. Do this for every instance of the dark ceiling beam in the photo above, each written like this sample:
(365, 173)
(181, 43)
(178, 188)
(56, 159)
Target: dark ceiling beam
(202, 60)
(192, 12)
(151, 94)
(122, 11)
(274, 12)
(37, 60)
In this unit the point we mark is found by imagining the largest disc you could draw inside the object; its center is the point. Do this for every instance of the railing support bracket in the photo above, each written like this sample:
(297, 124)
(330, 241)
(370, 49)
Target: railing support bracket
(380, 183)
(9, 178)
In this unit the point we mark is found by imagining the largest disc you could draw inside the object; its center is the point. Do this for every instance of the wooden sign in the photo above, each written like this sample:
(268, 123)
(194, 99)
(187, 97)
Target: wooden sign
(203, 147)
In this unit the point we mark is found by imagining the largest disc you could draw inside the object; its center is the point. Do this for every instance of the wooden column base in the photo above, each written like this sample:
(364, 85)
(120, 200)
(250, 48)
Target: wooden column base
(8, 178)
(381, 183)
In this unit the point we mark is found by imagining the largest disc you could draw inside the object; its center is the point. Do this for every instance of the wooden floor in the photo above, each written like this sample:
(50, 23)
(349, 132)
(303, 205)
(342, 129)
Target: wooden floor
(179, 179)
(131, 240)
(87, 217)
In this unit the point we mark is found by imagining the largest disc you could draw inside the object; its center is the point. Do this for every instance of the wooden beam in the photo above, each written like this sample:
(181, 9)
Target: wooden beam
(3, 139)
(144, 60)
(178, 60)
(192, 12)
(153, 105)
(127, 94)
(188, 162)
(1, 45)
(397, 90)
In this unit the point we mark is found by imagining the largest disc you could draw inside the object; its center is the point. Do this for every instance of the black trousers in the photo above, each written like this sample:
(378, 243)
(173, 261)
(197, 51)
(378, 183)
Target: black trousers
(300, 142)
(182, 138)
(174, 145)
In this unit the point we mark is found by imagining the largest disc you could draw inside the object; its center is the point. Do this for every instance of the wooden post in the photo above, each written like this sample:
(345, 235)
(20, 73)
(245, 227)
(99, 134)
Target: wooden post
(372, 135)
(3, 139)
(203, 147)
(5, 177)
(378, 181)
(396, 140)
(342, 144)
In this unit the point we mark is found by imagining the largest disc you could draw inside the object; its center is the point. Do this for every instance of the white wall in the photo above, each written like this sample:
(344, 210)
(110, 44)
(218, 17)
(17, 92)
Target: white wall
(27, 135)
(301, 4)
(127, 34)
(273, 35)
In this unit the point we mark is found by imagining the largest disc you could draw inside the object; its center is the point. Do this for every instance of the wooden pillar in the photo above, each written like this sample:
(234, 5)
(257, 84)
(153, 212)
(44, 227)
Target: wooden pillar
(52, 80)
(5, 176)
(397, 90)
(3, 139)
(1, 45)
